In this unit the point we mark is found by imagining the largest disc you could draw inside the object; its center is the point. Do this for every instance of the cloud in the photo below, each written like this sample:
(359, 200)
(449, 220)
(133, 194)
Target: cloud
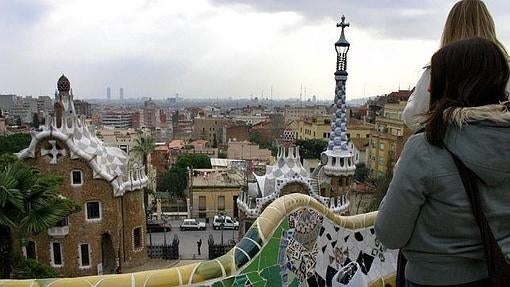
(217, 48)
(385, 18)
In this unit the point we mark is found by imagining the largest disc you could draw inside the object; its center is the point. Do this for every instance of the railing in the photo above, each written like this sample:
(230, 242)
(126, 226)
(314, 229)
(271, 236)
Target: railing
(270, 249)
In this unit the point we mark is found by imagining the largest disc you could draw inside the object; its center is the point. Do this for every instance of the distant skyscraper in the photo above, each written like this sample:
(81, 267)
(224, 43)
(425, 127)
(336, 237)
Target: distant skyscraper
(121, 93)
(108, 93)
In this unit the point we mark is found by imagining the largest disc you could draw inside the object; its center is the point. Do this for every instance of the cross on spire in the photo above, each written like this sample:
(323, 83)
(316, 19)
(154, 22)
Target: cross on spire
(343, 24)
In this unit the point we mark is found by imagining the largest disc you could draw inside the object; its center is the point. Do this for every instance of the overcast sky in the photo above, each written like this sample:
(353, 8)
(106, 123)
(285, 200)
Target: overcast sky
(219, 48)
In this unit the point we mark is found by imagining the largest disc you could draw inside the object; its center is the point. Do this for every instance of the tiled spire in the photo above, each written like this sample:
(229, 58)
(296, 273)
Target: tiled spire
(338, 159)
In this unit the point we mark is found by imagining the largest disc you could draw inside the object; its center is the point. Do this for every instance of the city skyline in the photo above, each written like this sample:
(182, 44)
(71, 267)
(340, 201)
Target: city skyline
(218, 48)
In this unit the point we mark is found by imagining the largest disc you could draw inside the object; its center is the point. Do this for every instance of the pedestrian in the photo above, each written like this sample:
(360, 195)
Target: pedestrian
(467, 18)
(199, 245)
(428, 212)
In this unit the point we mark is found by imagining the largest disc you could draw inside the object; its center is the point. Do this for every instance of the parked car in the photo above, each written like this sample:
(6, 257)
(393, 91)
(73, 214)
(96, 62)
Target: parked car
(192, 224)
(158, 226)
(226, 221)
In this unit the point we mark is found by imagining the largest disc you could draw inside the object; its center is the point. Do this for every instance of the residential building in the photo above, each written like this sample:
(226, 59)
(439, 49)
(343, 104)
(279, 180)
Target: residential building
(83, 108)
(160, 159)
(123, 138)
(7, 101)
(298, 113)
(246, 150)
(250, 119)
(318, 127)
(390, 135)
(108, 232)
(238, 132)
(359, 129)
(211, 129)
(215, 191)
(117, 119)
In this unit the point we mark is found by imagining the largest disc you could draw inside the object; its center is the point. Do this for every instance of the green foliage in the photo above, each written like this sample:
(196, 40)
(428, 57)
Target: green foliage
(311, 148)
(382, 183)
(193, 161)
(14, 143)
(144, 145)
(255, 137)
(29, 203)
(361, 173)
(7, 159)
(32, 269)
(174, 181)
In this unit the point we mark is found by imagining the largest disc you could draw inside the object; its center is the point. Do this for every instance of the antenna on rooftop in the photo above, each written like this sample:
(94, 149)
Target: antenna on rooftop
(301, 96)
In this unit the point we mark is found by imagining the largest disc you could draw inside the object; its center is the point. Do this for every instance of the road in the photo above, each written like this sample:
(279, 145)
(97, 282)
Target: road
(188, 239)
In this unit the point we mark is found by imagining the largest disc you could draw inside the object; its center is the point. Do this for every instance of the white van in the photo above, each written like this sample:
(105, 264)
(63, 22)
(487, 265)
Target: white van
(226, 221)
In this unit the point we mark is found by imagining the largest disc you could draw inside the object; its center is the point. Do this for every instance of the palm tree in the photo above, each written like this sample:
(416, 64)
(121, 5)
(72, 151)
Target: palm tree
(29, 203)
(144, 145)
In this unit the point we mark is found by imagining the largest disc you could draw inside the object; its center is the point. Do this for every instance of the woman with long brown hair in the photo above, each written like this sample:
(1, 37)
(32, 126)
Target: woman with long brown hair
(467, 18)
(427, 212)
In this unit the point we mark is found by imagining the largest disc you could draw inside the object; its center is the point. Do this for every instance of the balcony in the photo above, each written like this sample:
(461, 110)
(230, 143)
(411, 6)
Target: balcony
(58, 231)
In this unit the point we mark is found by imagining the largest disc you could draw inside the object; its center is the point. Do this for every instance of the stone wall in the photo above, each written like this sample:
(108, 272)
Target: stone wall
(82, 230)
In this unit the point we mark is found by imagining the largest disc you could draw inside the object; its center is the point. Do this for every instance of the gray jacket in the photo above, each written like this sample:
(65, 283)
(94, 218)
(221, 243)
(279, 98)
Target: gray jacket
(426, 211)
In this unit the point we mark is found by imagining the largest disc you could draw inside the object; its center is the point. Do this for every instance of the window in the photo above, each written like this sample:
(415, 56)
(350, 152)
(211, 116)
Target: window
(76, 177)
(221, 202)
(201, 203)
(63, 222)
(93, 210)
(30, 250)
(381, 146)
(137, 238)
(56, 254)
(84, 255)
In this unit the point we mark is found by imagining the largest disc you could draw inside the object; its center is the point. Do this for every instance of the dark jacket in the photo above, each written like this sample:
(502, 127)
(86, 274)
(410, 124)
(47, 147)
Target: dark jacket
(426, 211)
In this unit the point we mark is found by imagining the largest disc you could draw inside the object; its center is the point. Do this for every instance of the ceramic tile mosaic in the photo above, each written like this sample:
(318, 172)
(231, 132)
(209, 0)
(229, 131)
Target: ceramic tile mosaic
(296, 241)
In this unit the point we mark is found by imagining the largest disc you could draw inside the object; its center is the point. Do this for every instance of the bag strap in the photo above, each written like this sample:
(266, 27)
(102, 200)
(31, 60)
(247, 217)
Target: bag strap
(469, 180)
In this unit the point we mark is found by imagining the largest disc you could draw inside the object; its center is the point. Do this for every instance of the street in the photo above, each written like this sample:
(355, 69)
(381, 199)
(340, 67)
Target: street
(188, 239)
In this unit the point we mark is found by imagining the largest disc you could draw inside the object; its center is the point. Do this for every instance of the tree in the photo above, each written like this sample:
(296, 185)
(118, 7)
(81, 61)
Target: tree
(29, 203)
(144, 145)
(174, 181)
(14, 143)
(361, 173)
(382, 183)
(30, 268)
(255, 137)
(193, 161)
(311, 148)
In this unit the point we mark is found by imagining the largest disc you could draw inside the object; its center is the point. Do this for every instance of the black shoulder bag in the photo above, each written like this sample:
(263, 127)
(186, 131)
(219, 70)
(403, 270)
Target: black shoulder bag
(499, 269)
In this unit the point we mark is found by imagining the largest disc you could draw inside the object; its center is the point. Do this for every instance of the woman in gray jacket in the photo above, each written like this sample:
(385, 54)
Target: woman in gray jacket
(467, 18)
(426, 212)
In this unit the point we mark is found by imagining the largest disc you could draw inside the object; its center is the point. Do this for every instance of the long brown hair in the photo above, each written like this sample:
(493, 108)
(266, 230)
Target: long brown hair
(470, 18)
(468, 73)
